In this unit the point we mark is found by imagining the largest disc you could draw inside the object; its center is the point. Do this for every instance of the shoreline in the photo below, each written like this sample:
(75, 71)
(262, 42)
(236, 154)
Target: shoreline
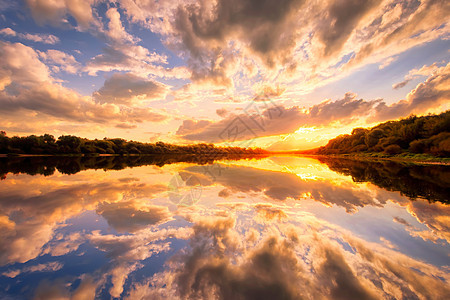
(432, 161)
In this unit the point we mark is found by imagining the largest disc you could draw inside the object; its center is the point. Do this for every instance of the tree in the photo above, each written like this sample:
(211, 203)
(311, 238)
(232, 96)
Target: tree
(427, 134)
(69, 144)
(393, 149)
(373, 136)
(4, 142)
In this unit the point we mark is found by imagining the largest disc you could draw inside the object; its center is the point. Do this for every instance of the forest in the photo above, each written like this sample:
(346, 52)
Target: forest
(425, 135)
(70, 144)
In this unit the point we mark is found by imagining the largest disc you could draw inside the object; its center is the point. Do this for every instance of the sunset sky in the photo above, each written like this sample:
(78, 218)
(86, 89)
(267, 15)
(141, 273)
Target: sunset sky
(280, 74)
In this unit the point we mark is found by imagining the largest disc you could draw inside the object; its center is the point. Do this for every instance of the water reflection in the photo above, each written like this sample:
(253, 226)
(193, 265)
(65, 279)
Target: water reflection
(267, 228)
(47, 165)
(414, 181)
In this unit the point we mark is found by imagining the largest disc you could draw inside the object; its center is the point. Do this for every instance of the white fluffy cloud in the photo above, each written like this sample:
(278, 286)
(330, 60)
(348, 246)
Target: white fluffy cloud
(431, 93)
(55, 12)
(28, 85)
(60, 61)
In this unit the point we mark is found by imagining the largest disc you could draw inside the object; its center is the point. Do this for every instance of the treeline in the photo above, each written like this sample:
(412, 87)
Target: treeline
(428, 134)
(70, 144)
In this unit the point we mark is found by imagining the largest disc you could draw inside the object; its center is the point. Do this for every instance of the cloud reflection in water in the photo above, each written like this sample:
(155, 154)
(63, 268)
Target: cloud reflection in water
(286, 229)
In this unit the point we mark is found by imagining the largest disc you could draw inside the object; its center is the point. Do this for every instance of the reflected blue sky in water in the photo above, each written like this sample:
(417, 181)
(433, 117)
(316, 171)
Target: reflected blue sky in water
(281, 226)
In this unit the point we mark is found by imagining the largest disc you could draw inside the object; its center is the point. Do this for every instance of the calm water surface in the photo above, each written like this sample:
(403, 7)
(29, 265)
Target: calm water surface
(266, 228)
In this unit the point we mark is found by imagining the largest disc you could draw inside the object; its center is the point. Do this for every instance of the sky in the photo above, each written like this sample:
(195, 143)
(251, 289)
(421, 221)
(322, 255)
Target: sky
(278, 74)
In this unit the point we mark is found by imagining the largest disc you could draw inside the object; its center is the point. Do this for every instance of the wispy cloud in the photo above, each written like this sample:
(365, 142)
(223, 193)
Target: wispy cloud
(37, 37)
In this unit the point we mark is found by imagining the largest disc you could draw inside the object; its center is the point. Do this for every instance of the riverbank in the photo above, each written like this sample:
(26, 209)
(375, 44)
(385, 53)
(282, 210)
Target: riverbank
(405, 157)
(422, 159)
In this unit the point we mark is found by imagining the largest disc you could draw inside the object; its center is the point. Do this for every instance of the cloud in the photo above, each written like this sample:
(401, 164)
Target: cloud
(266, 29)
(21, 64)
(116, 31)
(131, 217)
(340, 20)
(414, 73)
(127, 88)
(281, 186)
(125, 252)
(122, 53)
(60, 61)
(8, 32)
(400, 84)
(55, 12)
(190, 126)
(28, 85)
(44, 212)
(48, 267)
(44, 206)
(269, 212)
(225, 260)
(224, 193)
(289, 41)
(64, 104)
(126, 126)
(388, 61)
(40, 38)
(62, 245)
(267, 119)
(431, 93)
(58, 289)
(234, 250)
(433, 216)
(222, 112)
(406, 24)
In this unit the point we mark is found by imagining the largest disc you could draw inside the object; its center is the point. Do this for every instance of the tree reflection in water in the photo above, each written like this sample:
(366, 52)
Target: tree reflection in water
(264, 228)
